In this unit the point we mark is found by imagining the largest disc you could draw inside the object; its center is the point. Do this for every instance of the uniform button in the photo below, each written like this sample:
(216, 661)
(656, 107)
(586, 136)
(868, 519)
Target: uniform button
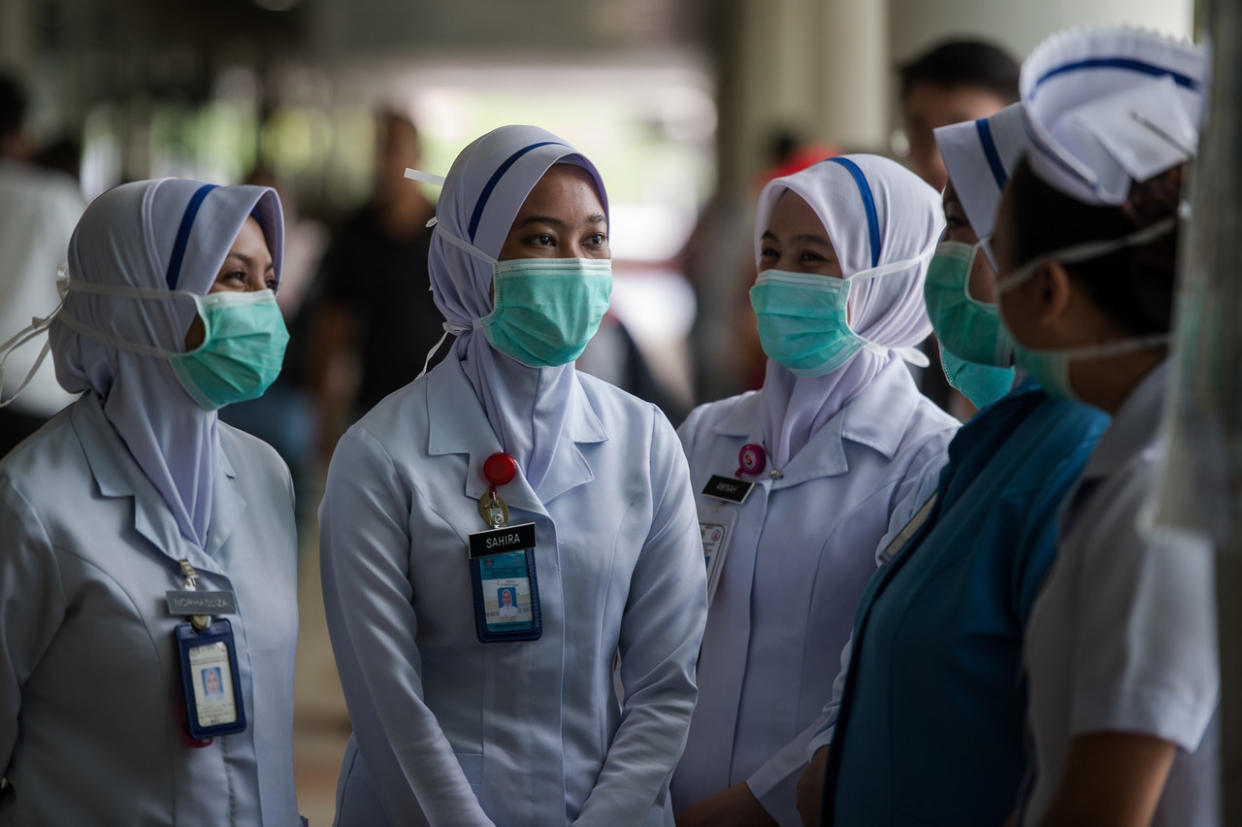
(774, 474)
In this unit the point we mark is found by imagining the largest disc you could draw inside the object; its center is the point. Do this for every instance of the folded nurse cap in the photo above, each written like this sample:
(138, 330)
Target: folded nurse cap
(1106, 106)
(979, 156)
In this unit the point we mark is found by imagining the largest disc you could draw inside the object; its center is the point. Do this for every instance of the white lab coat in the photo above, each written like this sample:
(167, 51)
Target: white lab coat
(448, 730)
(799, 552)
(91, 705)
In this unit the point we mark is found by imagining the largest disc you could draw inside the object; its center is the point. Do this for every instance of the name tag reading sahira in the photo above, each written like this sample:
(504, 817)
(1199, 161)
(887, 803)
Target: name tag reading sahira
(503, 539)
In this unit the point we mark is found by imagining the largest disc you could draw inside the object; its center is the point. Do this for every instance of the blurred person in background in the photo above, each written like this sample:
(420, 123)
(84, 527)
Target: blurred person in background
(38, 210)
(372, 320)
(954, 81)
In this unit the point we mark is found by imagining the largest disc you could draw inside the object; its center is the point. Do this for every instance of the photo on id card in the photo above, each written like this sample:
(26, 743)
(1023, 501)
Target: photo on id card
(505, 584)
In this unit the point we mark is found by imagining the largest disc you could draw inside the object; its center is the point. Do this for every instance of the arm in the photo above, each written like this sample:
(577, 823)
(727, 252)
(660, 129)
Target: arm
(660, 636)
(32, 606)
(1112, 779)
(365, 552)
(810, 790)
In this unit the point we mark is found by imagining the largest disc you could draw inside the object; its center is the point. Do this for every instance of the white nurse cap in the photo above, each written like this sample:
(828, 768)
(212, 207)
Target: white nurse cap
(1107, 106)
(979, 156)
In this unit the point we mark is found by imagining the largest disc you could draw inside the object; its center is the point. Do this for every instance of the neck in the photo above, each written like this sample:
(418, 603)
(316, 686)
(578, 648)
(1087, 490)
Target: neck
(1107, 383)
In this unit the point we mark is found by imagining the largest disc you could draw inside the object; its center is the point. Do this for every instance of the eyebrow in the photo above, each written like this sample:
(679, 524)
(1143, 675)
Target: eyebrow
(800, 238)
(248, 261)
(594, 218)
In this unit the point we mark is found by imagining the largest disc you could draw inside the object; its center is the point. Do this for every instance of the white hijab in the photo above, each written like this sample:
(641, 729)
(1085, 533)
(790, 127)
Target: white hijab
(876, 212)
(166, 234)
(481, 196)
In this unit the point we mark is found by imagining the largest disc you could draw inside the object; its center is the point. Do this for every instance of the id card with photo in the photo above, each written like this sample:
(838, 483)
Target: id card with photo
(506, 591)
(211, 680)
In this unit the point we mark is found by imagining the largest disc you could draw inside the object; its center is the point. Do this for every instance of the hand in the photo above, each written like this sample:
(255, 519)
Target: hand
(811, 788)
(734, 807)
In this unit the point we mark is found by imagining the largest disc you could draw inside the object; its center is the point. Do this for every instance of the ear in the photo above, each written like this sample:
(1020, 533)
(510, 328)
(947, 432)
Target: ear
(1051, 292)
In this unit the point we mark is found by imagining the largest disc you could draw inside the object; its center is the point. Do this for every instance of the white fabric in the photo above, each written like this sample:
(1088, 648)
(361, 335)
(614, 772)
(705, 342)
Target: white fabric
(38, 210)
(491, 178)
(126, 238)
(796, 557)
(91, 708)
(889, 310)
(448, 730)
(1070, 73)
(1123, 636)
(962, 146)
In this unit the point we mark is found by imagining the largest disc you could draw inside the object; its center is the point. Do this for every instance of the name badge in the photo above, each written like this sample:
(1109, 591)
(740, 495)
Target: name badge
(729, 489)
(183, 602)
(506, 590)
(911, 528)
(503, 539)
(210, 679)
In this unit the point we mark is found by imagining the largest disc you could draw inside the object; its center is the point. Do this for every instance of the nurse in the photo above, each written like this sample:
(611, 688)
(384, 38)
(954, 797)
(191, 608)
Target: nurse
(1121, 647)
(797, 482)
(504, 468)
(932, 726)
(108, 709)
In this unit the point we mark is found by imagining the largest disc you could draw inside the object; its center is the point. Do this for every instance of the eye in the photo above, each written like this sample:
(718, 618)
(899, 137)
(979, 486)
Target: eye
(542, 240)
(953, 222)
(234, 277)
(811, 256)
(769, 253)
(271, 284)
(596, 239)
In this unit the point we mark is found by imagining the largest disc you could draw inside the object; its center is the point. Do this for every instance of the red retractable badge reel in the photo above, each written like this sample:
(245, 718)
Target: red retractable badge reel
(751, 460)
(499, 469)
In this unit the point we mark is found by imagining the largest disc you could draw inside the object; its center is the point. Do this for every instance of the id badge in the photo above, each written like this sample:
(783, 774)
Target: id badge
(506, 590)
(716, 529)
(211, 680)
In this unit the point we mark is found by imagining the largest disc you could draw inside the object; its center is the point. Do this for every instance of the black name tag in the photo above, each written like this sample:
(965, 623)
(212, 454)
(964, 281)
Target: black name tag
(729, 489)
(501, 540)
(201, 603)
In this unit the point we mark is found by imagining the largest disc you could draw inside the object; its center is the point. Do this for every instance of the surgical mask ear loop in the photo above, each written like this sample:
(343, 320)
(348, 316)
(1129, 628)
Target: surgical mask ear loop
(36, 327)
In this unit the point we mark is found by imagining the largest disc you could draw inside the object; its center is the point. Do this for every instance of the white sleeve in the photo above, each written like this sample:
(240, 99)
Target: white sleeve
(32, 606)
(1145, 657)
(659, 646)
(365, 553)
(828, 718)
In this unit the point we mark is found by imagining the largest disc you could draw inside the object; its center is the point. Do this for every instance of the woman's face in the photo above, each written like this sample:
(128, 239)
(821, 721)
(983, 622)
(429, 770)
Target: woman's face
(562, 217)
(957, 228)
(248, 267)
(1038, 312)
(795, 240)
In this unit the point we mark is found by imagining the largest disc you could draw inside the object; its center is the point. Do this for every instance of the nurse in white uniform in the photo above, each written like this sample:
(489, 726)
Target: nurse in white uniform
(114, 707)
(1121, 645)
(462, 715)
(796, 483)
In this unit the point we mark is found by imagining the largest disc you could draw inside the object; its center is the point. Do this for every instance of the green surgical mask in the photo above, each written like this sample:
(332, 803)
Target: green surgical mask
(242, 350)
(981, 384)
(545, 310)
(803, 322)
(1050, 368)
(241, 354)
(969, 329)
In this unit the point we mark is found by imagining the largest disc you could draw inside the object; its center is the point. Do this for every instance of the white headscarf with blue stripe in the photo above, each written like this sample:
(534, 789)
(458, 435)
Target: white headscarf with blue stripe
(481, 196)
(876, 212)
(170, 234)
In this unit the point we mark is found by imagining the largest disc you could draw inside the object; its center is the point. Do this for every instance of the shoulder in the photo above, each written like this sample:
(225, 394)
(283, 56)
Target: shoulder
(46, 460)
(250, 455)
(741, 411)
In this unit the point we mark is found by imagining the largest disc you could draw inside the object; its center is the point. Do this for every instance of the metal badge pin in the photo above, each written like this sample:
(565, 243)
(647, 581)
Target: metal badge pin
(190, 583)
(498, 469)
